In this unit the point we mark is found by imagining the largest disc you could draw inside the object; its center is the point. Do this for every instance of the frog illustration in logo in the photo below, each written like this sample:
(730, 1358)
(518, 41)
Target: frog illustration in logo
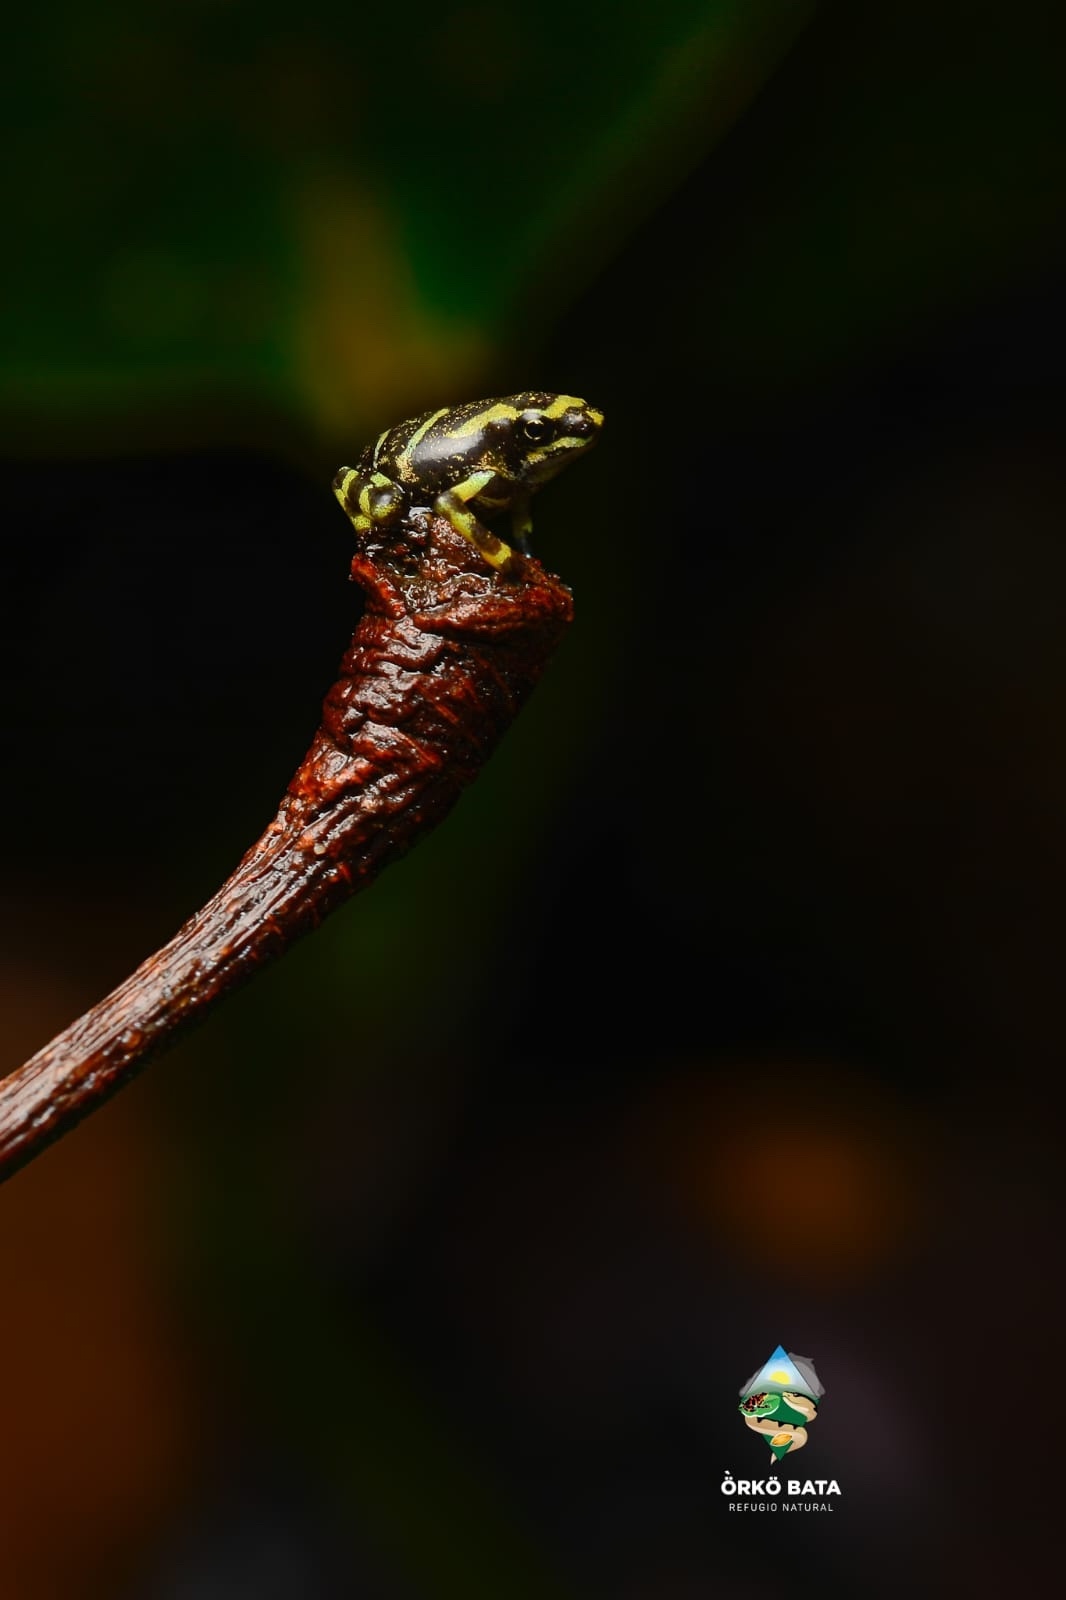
(780, 1401)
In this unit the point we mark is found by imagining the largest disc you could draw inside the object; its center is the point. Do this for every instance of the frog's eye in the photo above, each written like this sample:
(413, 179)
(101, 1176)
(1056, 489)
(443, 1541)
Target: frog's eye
(534, 428)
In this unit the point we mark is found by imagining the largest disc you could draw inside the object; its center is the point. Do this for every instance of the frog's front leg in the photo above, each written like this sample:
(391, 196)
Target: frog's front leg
(452, 503)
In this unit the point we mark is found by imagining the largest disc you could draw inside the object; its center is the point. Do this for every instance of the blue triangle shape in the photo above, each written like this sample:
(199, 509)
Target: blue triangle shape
(777, 1375)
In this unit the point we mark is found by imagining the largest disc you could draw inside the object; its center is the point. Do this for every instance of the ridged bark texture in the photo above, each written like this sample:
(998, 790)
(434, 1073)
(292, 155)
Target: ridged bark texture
(445, 653)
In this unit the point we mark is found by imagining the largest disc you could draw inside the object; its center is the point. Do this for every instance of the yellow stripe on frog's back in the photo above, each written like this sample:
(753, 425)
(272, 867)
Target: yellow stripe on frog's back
(404, 457)
(470, 426)
(403, 461)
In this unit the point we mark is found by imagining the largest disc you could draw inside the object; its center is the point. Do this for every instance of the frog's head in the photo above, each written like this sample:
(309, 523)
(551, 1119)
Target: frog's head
(516, 444)
(759, 1405)
(545, 432)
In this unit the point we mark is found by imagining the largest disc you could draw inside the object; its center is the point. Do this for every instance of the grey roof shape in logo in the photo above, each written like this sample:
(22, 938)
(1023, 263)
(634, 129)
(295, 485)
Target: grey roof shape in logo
(805, 1367)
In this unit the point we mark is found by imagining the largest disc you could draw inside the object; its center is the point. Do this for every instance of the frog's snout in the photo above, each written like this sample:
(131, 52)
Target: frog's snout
(583, 421)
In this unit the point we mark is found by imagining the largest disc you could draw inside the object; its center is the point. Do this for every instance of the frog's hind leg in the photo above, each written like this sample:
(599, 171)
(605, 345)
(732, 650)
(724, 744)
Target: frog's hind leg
(346, 488)
(368, 499)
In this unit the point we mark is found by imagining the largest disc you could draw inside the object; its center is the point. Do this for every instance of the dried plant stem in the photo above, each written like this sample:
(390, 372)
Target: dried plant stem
(444, 655)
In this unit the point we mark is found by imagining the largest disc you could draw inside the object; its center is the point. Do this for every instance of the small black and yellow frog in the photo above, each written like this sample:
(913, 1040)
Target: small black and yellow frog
(467, 462)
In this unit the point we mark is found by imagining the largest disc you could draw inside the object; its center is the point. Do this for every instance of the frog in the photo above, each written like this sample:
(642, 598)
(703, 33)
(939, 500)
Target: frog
(468, 463)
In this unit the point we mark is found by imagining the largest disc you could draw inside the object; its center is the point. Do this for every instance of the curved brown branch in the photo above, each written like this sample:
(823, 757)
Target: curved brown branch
(445, 653)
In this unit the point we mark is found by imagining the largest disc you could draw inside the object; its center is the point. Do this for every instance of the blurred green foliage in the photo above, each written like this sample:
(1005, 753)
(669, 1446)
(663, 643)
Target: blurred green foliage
(330, 209)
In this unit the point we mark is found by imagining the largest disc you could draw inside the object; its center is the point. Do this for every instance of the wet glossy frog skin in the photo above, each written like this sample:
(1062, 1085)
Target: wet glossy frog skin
(470, 461)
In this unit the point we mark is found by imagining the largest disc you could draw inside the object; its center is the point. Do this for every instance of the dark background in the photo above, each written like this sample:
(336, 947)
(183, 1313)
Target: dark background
(726, 1008)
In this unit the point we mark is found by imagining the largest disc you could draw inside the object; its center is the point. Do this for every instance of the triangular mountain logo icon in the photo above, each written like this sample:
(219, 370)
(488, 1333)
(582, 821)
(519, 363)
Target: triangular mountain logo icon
(780, 1401)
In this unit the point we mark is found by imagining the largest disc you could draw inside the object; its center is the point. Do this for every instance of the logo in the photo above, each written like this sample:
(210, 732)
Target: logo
(781, 1400)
